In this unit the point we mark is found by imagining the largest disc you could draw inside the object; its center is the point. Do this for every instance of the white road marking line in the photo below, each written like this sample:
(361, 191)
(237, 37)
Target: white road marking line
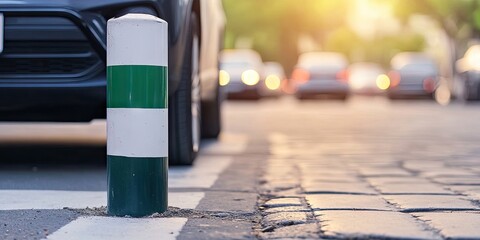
(228, 144)
(203, 174)
(93, 228)
(47, 199)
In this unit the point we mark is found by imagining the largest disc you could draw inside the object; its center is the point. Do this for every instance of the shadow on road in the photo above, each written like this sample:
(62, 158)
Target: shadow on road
(51, 155)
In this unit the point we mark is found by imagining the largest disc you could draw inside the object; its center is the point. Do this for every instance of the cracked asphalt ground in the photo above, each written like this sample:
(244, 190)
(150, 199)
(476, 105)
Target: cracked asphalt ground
(368, 168)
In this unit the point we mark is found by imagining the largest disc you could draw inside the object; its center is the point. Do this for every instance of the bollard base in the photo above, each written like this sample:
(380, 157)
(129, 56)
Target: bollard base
(137, 187)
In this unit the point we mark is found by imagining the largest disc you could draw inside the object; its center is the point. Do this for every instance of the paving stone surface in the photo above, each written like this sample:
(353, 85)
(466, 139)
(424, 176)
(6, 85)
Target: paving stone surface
(305, 231)
(475, 180)
(409, 188)
(473, 194)
(228, 201)
(456, 225)
(285, 219)
(372, 224)
(283, 202)
(464, 189)
(347, 202)
(346, 188)
(417, 203)
(331, 179)
(378, 181)
(384, 172)
(448, 172)
(286, 209)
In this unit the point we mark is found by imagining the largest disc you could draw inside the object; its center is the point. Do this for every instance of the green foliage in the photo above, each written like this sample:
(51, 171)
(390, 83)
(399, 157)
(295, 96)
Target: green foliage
(452, 15)
(476, 18)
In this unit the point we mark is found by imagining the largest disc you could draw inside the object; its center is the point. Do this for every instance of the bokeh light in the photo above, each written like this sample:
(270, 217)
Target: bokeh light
(383, 82)
(272, 82)
(224, 78)
(250, 77)
(443, 95)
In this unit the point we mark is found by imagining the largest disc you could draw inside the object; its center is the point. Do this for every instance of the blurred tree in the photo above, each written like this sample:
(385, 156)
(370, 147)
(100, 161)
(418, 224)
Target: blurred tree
(459, 19)
(275, 25)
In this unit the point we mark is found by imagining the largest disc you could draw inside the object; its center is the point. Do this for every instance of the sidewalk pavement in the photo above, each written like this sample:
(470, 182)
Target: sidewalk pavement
(354, 196)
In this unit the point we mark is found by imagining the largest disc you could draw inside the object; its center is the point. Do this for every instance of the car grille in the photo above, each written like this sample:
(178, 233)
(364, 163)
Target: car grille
(46, 49)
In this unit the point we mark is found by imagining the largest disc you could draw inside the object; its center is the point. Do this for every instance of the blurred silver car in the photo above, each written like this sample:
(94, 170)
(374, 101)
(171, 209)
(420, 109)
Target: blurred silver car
(241, 73)
(321, 73)
(469, 70)
(367, 79)
(413, 75)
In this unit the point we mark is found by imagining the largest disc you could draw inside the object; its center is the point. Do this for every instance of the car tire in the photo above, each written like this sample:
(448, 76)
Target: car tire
(185, 107)
(302, 96)
(211, 116)
(469, 94)
(343, 97)
(393, 96)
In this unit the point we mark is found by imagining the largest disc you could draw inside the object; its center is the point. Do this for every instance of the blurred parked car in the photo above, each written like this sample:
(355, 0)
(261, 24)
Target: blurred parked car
(241, 73)
(413, 75)
(274, 79)
(469, 71)
(367, 78)
(52, 67)
(321, 73)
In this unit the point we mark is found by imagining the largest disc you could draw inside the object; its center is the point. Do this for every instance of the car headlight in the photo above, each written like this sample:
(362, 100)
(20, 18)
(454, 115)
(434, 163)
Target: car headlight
(223, 78)
(383, 82)
(272, 82)
(250, 77)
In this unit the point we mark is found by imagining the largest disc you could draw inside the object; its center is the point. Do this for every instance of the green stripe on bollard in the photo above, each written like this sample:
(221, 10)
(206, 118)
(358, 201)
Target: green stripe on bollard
(128, 193)
(137, 86)
(137, 115)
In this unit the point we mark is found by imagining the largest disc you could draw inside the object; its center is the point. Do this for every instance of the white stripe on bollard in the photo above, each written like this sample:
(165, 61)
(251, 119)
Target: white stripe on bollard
(145, 138)
(131, 30)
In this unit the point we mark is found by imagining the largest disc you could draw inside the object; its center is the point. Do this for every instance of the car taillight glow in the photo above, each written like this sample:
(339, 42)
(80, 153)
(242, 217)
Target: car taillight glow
(300, 75)
(342, 76)
(394, 78)
(429, 85)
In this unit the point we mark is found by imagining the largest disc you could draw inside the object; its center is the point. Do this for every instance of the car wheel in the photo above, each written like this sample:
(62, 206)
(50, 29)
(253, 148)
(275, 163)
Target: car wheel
(211, 116)
(343, 97)
(469, 94)
(302, 96)
(185, 105)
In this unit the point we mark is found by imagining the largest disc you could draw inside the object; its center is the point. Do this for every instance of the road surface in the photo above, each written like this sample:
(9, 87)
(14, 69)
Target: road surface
(365, 168)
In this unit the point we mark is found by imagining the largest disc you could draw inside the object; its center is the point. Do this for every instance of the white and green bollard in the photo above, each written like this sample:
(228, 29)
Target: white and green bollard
(137, 115)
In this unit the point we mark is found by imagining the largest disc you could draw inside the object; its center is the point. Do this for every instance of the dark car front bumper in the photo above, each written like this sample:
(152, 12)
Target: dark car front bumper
(409, 91)
(72, 102)
(52, 67)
